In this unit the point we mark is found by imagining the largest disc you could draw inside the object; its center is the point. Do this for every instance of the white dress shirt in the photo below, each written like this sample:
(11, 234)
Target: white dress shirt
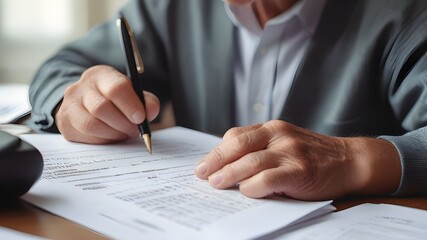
(268, 58)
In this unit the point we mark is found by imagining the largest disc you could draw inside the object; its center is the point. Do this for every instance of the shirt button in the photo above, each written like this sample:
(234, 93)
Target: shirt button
(257, 107)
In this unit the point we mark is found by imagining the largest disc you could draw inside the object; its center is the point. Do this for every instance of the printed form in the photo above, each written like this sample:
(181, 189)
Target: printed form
(121, 191)
(366, 221)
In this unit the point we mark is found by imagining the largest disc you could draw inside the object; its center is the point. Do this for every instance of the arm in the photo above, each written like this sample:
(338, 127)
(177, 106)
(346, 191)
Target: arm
(405, 78)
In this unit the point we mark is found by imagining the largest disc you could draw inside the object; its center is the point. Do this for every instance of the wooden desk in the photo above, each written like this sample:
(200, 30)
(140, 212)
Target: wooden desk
(24, 217)
(27, 218)
(420, 203)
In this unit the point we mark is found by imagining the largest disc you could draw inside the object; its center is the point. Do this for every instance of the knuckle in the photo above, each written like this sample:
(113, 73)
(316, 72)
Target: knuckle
(232, 133)
(100, 105)
(117, 88)
(218, 156)
(257, 164)
(295, 145)
(90, 73)
(71, 90)
(94, 70)
(278, 125)
(243, 140)
(89, 124)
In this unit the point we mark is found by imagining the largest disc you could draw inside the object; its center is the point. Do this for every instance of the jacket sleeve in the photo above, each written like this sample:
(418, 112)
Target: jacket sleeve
(101, 45)
(413, 154)
(406, 78)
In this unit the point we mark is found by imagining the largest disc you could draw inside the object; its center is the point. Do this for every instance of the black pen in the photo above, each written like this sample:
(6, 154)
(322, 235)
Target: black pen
(135, 69)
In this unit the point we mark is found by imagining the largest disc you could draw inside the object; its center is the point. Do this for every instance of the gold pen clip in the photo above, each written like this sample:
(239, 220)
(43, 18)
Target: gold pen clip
(138, 59)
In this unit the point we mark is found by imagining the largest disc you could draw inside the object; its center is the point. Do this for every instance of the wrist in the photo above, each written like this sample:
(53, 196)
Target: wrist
(377, 167)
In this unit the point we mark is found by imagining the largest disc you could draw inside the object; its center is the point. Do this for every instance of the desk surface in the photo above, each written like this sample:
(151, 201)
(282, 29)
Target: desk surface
(27, 218)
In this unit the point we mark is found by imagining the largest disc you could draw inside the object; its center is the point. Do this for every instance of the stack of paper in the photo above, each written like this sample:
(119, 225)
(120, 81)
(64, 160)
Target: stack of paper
(123, 192)
(366, 221)
(14, 102)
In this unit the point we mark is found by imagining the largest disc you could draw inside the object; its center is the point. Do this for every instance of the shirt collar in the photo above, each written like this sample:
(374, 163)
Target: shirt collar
(307, 11)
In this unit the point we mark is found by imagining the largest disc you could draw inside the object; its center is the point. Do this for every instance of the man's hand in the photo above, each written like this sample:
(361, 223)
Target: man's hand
(279, 158)
(102, 107)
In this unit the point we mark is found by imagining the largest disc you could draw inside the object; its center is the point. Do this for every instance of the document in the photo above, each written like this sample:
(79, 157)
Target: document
(366, 221)
(121, 191)
(14, 102)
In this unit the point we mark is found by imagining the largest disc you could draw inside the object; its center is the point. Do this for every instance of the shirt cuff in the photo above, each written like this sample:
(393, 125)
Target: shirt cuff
(412, 148)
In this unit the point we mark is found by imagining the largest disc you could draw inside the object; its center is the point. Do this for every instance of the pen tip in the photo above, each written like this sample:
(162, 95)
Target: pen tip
(147, 141)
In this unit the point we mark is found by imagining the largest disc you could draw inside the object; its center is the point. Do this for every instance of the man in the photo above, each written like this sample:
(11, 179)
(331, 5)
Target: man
(345, 80)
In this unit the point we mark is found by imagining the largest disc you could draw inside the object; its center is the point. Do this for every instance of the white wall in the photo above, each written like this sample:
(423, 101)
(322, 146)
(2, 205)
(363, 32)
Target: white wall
(31, 31)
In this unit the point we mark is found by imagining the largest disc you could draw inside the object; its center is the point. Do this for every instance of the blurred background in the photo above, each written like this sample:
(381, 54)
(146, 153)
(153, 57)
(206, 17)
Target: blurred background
(31, 31)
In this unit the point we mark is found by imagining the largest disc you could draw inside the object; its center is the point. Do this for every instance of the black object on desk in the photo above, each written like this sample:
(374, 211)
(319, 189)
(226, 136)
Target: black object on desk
(21, 165)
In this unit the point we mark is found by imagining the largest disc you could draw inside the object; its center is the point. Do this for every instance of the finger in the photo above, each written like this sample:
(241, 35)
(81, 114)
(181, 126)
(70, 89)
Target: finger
(89, 126)
(104, 110)
(291, 179)
(265, 183)
(77, 136)
(232, 149)
(72, 134)
(246, 167)
(236, 131)
(120, 92)
(152, 105)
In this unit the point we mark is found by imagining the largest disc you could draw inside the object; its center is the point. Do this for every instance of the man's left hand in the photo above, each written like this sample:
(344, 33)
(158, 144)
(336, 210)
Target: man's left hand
(280, 158)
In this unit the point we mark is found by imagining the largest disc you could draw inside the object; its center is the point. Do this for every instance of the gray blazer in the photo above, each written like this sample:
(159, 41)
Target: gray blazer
(365, 72)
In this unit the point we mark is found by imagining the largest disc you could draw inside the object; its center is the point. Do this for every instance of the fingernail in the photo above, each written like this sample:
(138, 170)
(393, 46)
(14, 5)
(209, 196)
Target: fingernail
(215, 179)
(138, 117)
(201, 169)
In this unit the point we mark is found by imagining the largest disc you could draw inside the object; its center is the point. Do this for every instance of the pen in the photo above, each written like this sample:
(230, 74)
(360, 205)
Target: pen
(135, 69)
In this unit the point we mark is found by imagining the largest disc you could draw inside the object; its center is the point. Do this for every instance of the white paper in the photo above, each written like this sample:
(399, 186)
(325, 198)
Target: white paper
(9, 234)
(14, 102)
(367, 222)
(123, 192)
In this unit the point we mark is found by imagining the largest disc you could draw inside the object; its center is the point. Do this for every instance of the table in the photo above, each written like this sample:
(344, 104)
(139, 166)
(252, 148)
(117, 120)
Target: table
(24, 217)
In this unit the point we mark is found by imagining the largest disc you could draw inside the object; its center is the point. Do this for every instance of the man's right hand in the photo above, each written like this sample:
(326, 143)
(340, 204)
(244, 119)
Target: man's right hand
(102, 107)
